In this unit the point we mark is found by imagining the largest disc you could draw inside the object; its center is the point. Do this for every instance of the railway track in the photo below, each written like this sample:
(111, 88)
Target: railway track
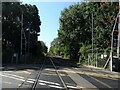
(27, 79)
(46, 62)
(64, 84)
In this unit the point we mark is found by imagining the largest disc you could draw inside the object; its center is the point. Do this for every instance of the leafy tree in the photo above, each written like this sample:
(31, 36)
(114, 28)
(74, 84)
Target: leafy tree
(75, 31)
(41, 48)
(11, 28)
(71, 29)
(55, 47)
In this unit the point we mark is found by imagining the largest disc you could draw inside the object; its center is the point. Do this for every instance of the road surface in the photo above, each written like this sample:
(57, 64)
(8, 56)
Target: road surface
(82, 78)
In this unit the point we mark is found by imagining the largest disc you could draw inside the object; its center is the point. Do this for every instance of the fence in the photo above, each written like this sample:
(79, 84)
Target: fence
(97, 59)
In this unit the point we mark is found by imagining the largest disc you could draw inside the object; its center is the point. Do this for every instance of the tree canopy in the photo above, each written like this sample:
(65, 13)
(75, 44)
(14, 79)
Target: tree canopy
(75, 30)
(11, 29)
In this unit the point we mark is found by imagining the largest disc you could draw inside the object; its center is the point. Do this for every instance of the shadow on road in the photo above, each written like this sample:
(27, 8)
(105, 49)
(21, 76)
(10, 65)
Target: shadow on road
(59, 62)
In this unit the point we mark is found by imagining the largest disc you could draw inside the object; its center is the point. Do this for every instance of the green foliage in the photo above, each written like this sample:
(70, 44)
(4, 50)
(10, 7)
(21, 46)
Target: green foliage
(84, 49)
(71, 29)
(55, 47)
(11, 28)
(41, 48)
(75, 31)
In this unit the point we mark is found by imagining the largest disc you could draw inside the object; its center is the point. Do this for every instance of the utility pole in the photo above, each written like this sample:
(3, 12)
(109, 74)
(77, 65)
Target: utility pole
(92, 35)
(96, 63)
(111, 52)
(0, 38)
(29, 38)
(118, 45)
(23, 42)
(21, 35)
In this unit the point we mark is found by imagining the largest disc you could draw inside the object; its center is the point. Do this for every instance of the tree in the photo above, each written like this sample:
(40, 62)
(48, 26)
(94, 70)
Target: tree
(11, 28)
(55, 47)
(71, 29)
(41, 48)
(75, 30)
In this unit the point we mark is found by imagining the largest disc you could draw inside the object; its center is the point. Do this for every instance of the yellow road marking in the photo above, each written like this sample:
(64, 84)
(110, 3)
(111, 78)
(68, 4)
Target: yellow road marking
(66, 71)
(71, 84)
(99, 75)
(52, 74)
(27, 72)
(105, 76)
(79, 86)
(94, 74)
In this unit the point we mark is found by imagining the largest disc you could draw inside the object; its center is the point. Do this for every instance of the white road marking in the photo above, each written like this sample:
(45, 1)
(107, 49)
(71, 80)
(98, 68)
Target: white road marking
(30, 81)
(42, 83)
(49, 82)
(71, 87)
(49, 69)
(12, 75)
(55, 86)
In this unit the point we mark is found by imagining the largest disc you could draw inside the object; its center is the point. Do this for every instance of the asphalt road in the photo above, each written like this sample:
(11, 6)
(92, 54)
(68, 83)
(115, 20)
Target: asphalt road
(24, 76)
(102, 79)
(14, 76)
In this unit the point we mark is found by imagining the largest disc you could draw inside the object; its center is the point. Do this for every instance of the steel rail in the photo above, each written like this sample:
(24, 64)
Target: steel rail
(23, 82)
(66, 88)
(33, 87)
(38, 76)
